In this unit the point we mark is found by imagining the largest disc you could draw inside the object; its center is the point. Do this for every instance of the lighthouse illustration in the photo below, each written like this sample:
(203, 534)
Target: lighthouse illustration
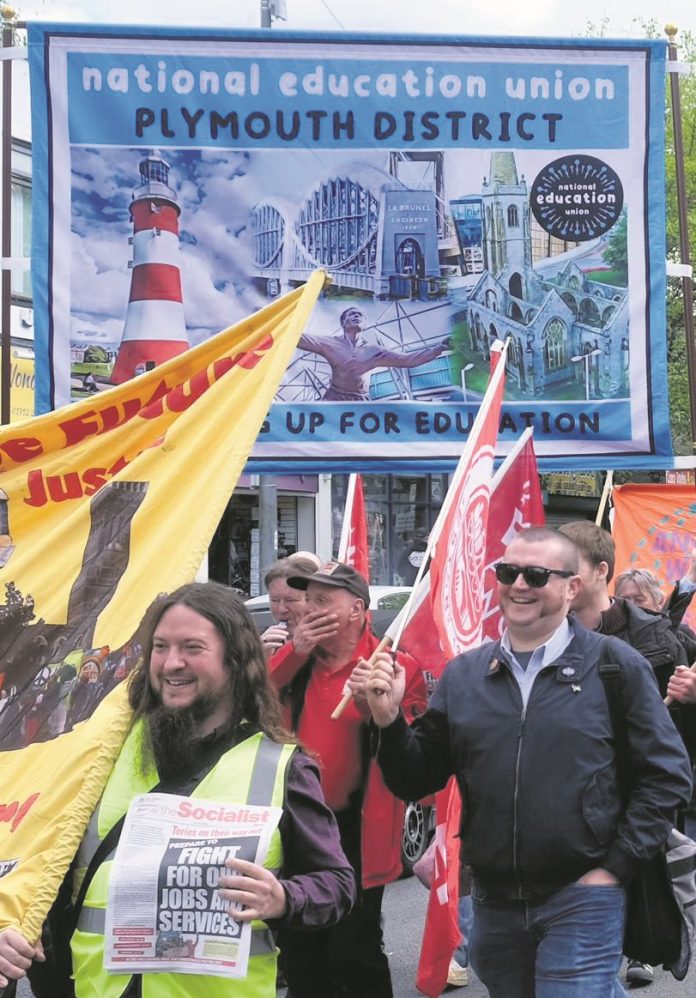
(155, 329)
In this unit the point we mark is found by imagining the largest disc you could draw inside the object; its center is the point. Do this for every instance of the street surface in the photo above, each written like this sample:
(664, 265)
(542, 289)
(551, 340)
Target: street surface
(404, 911)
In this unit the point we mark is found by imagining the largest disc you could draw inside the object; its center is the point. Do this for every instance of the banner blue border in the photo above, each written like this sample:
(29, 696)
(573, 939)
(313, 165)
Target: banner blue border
(657, 454)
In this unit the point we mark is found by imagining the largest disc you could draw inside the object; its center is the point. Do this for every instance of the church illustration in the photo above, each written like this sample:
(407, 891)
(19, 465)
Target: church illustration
(569, 333)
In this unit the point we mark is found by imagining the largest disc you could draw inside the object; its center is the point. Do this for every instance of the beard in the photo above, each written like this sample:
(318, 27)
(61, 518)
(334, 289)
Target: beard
(173, 733)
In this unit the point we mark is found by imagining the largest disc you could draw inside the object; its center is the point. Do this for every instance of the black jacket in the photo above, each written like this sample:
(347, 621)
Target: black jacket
(540, 797)
(654, 635)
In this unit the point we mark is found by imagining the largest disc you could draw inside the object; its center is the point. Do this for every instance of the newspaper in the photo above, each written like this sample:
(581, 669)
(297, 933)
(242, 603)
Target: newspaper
(164, 912)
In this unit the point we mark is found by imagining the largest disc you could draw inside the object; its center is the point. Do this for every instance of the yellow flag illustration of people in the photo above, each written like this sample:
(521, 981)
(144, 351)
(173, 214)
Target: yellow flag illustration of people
(103, 505)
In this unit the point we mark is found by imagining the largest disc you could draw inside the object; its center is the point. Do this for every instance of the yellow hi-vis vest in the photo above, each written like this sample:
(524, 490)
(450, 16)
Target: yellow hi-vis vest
(253, 772)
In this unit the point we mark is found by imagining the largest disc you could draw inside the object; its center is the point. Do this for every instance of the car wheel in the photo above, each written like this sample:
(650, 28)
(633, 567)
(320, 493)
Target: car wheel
(415, 835)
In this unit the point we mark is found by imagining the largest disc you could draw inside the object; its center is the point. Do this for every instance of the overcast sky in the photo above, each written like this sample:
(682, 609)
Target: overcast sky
(534, 17)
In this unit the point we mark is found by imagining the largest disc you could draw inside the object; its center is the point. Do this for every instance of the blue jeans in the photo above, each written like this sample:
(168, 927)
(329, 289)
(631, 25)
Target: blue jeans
(567, 945)
(466, 920)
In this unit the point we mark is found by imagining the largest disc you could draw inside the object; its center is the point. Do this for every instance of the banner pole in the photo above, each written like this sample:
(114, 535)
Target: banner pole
(687, 285)
(606, 492)
(8, 15)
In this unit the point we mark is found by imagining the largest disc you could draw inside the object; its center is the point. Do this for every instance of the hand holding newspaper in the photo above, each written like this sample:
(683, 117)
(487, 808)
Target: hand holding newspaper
(165, 911)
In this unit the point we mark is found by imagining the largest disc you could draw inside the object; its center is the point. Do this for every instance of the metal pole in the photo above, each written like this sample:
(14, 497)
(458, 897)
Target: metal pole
(6, 240)
(268, 493)
(268, 525)
(687, 285)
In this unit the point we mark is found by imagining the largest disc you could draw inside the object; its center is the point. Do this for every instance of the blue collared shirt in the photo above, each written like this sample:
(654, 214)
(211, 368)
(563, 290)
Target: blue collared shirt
(541, 657)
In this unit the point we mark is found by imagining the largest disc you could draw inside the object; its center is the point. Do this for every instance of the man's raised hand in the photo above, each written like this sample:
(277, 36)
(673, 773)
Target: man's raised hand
(385, 689)
(315, 627)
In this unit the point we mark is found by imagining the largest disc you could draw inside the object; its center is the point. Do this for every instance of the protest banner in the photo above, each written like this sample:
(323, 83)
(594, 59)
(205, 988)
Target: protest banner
(457, 190)
(49, 791)
(654, 527)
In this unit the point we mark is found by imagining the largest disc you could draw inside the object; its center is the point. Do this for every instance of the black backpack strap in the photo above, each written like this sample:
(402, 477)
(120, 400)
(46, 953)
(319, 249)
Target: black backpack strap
(104, 849)
(610, 674)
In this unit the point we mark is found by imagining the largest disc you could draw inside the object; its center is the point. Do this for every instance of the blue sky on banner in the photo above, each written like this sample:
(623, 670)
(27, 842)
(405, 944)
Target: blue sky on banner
(535, 17)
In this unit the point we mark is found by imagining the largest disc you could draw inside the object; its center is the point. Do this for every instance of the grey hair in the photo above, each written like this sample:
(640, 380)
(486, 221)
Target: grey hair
(644, 579)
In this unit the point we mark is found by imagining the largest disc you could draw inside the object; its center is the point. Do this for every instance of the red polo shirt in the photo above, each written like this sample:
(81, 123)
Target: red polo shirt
(336, 743)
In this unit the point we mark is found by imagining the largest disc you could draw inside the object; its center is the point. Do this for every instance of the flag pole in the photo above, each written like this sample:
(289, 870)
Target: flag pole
(682, 202)
(7, 16)
(606, 492)
(345, 526)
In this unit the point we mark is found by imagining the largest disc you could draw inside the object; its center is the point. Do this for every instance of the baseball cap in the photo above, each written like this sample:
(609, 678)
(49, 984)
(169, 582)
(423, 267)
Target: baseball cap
(336, 574)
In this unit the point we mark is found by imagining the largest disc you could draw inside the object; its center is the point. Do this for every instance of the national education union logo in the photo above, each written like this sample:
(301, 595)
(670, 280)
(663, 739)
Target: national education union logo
(576, 198)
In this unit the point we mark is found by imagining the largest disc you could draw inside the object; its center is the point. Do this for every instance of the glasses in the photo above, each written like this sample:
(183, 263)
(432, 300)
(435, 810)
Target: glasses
(534, 576)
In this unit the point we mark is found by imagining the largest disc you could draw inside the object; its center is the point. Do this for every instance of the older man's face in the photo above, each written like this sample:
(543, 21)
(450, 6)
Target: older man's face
(333, 600)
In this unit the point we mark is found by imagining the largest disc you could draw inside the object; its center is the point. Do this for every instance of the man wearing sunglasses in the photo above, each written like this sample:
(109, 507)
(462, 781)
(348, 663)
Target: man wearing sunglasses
(523, 724)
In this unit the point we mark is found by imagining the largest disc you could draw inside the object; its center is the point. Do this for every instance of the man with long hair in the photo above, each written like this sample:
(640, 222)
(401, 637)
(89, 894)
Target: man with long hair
(207, 725)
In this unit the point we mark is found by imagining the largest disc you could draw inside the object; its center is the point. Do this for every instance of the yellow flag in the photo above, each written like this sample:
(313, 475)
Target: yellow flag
(103, 505)
(49, 791)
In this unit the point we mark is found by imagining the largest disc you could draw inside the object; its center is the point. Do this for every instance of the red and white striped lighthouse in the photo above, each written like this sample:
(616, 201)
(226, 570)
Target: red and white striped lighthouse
(155, 328)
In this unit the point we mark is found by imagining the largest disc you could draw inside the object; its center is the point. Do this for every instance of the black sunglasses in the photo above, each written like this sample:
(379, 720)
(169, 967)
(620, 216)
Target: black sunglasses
(535, 576)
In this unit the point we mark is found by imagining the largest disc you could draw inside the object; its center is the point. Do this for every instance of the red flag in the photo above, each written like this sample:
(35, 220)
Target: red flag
(516, 504)
(353, 549)
(456, 604)
(441, 933)
(459, 557)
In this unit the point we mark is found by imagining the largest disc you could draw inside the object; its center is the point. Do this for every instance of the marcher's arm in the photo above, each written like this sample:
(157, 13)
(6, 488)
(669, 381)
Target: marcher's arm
(414, 701)
(415, 761)
(682, 594)
(682, 689)
(682, 685)
(284, 665)
(273, 638)
(318, 880)
(661, 770)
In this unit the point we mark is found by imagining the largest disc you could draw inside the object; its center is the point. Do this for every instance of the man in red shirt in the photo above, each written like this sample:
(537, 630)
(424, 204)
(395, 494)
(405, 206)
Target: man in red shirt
(334, 643)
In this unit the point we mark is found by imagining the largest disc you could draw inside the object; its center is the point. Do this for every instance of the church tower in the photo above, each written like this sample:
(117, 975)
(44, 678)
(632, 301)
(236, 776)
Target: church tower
(507, 244)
